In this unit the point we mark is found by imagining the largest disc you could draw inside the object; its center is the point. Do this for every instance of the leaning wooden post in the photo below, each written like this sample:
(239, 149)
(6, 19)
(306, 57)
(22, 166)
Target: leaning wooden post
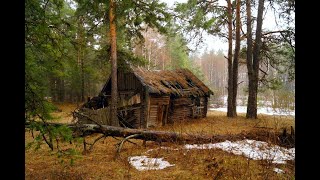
(144, 111)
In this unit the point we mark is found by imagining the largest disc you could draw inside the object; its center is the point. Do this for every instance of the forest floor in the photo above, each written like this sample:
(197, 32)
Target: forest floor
(102, 163)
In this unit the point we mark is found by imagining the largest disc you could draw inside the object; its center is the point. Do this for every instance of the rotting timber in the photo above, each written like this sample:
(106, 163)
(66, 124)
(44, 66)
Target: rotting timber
(82, 130)
(150, 98)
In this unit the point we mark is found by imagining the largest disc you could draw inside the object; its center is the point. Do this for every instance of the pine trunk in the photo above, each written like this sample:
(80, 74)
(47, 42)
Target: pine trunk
(82, 80)
(253, 70)
(113, 43)
(81, 57)
(60, 90)
(230, 112)
(252, 99)
(236, 60)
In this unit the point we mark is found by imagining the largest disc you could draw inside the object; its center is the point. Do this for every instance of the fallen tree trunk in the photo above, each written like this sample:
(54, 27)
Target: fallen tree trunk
(149, 135)
(143, 134)
(82, 130)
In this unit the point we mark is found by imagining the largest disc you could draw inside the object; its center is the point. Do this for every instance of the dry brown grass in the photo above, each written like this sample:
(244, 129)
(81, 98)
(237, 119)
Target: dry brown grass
(63, 114)
(217, 123)
(193, 164)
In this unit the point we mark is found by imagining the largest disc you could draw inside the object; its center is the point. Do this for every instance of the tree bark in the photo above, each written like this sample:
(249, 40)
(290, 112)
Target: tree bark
(236, 60)
(253, 70)
(82, 81)
(81, 56)
(113, 43)
(82, 130)
(61, 89)
(230, 111)
(249, 60)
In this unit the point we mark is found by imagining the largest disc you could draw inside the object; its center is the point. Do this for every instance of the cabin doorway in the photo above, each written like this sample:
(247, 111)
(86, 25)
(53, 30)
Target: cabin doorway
(162, 114)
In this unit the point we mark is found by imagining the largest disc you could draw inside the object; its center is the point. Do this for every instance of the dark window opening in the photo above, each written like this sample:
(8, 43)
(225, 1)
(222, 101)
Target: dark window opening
(190, 83)
(178, 85)
(166, 84)
(197, 101)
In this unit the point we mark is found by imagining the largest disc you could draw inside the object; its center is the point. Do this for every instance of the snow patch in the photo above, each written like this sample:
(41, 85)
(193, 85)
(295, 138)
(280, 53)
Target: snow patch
(261, 110)
(277, 170)
(144, 163)
(256, 150)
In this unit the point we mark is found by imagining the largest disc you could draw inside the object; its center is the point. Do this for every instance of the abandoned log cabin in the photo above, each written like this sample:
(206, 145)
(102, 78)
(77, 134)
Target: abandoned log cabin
(151, 98)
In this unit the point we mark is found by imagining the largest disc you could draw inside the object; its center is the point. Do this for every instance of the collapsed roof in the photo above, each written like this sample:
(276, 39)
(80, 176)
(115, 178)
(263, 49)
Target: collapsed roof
(179, 82)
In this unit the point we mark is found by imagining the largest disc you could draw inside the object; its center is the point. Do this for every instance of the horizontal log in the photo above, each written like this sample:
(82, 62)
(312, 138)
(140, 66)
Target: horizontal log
(284, 139)
(143, 134)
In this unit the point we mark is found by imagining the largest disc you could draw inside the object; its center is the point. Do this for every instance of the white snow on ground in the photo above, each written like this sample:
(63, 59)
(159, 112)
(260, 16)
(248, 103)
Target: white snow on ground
(257, 150)
(264, 107)
(261, 110)
(144, 163)
(277, 170)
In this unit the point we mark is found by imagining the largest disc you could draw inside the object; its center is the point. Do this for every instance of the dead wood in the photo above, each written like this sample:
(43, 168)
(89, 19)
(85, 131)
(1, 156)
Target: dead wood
(96, 140)
(123, 141)
(83, 130)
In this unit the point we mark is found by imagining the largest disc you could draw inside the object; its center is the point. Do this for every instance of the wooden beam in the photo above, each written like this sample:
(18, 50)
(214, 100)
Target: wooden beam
(147, 108)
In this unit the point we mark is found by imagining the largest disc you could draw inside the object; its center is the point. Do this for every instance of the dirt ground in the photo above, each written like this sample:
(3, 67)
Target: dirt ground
(102, 162)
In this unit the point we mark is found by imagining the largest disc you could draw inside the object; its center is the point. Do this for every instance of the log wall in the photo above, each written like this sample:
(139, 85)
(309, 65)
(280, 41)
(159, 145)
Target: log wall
(137, 113)
(101, 116)
(155, 102)
(127, 81)
(180, 109)
(204, 102)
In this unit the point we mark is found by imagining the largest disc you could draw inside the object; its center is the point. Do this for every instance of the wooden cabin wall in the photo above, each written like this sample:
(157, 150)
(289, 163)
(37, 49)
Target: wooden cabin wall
(137, 113)
(101, 116)
(204, 100)
(180, 109)
(127, 82)
(180, 114)
(158, 111)
(130, 92)
(144, 98)
(152, 122)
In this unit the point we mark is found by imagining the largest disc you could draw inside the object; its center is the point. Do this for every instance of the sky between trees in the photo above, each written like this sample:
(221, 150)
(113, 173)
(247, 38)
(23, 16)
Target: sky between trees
(216, 43)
